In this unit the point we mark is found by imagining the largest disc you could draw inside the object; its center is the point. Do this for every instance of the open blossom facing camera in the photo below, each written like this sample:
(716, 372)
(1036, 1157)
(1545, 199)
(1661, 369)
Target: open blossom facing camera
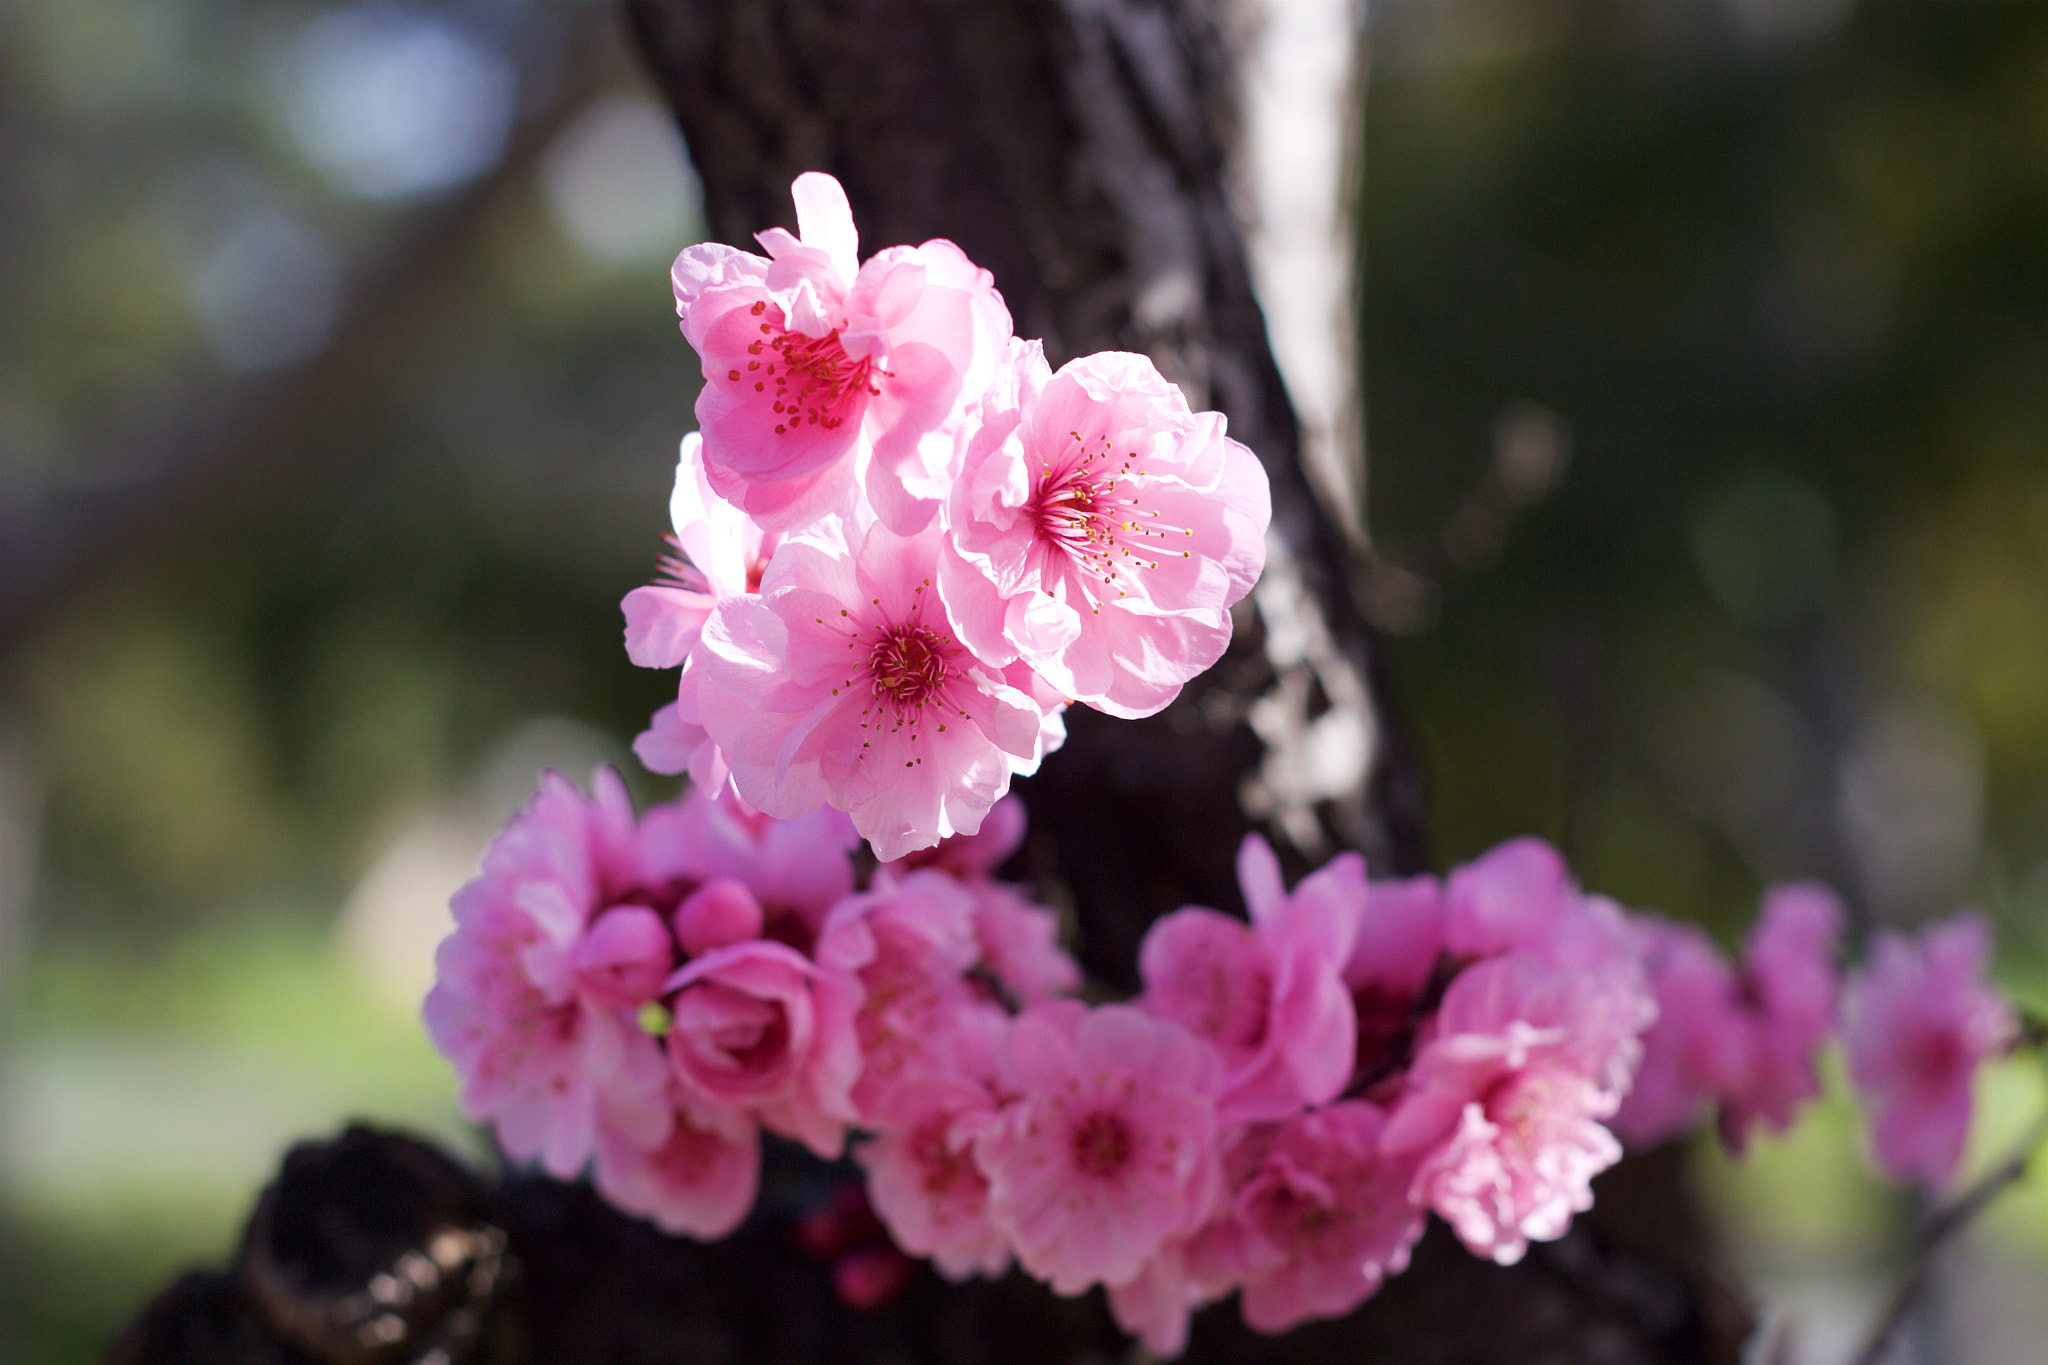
(815, 362)
(1109, 1151)
(1919, 1022)
(1101, 531)
(845, 683)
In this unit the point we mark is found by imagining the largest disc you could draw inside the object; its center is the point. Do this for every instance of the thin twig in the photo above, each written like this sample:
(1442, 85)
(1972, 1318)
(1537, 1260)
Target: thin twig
(1943, 1226)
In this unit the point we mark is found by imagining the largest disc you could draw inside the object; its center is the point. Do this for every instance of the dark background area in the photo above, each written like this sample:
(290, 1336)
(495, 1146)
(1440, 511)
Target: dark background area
(1705, 363)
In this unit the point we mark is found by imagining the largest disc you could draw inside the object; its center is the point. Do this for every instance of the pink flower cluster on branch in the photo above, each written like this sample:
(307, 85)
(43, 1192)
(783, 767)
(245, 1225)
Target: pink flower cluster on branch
(1276, 1114)
(905, 545)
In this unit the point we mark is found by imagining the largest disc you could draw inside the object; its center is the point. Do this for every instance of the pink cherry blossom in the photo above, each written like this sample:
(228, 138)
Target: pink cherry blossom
(1109, 1150)
(1699, 1048)
(796, 869)
(1919, 1021)
(720, 553)
(813, 360)
(1504, 1104)
(1155, 1304)
(1788, 983)
(1269, 995)
(699, 1181)
(543, 1037)
(1393, 959)
(1100, 531)
(924, 1180)
(910, 945)
(759, 1027)
(845, 684)
(1508, 898)
(1326, 1216)
(1020, 945)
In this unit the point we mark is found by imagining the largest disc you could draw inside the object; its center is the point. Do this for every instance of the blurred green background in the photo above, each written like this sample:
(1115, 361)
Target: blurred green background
(1706, 372)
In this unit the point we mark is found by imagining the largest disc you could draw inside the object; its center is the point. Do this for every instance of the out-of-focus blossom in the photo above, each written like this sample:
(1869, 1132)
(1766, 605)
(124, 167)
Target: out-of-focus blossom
(545, 1043)
(699, 1181)
(1109, 1150)
(1504, 1106)
(1788, 986)
(1919, 1021)
(1268, 995)
(759, 1027)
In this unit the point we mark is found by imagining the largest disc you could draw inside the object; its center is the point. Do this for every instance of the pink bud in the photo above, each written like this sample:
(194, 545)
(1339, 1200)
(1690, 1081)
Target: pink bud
(720, 912)
(624, 957)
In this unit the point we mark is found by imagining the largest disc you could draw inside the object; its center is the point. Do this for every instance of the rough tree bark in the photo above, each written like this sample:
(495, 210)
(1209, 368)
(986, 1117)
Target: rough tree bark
(1080, 150)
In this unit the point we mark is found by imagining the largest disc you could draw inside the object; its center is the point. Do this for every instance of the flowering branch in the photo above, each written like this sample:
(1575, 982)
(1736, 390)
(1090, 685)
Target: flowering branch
(1940, 1230)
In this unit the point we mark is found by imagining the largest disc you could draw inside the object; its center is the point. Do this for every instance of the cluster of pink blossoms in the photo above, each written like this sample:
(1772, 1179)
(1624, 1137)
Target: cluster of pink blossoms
(905, 544)
(1275, 1114)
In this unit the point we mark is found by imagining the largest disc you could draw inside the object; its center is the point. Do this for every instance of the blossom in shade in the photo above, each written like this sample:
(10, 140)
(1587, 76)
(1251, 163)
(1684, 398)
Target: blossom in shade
(1503, 1109)
(1699, 1048)
(1510, 897)
(1268, 995)
(845, 684)
(1108, 1151)
(538, 1025)
(924, 1180)
(796, 869)
(1788, 985)
(910, 946)
(757, 1026)
(699, 1181)
(1100, 531)
(814, 362)
(1918, 1022)
(1324, 1217)
(1393, 960)
(1020, 944)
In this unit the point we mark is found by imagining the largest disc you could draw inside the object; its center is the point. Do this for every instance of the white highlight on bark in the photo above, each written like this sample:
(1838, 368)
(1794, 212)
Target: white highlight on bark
(1301, 108)
(1310, 758)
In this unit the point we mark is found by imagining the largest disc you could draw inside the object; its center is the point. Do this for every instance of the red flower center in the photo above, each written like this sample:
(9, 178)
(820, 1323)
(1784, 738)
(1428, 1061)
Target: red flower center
(815, 381)
(908, 665)
(1102, 1145)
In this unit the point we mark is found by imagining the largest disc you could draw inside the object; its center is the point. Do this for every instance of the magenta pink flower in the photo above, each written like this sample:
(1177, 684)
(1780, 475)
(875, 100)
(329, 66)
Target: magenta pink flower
(797, 869)
(1020, 945)
(1325, 1217)
(813, 361)
(720, 553)
(1699, 1048)
(844, 684)
(910, 945)
(540, 1026)
(1269, 995)
(1510, 897)
(759, 1027)
(1100, 531)
(1400, 939)
(1109, 1151)
(1788, 987)
(699, 1181)
(924, 1180)
(1919, 1022)
(1503, 1110)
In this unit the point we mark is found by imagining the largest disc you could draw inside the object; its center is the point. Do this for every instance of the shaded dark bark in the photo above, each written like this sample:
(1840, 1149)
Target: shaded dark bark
(577, 1283)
